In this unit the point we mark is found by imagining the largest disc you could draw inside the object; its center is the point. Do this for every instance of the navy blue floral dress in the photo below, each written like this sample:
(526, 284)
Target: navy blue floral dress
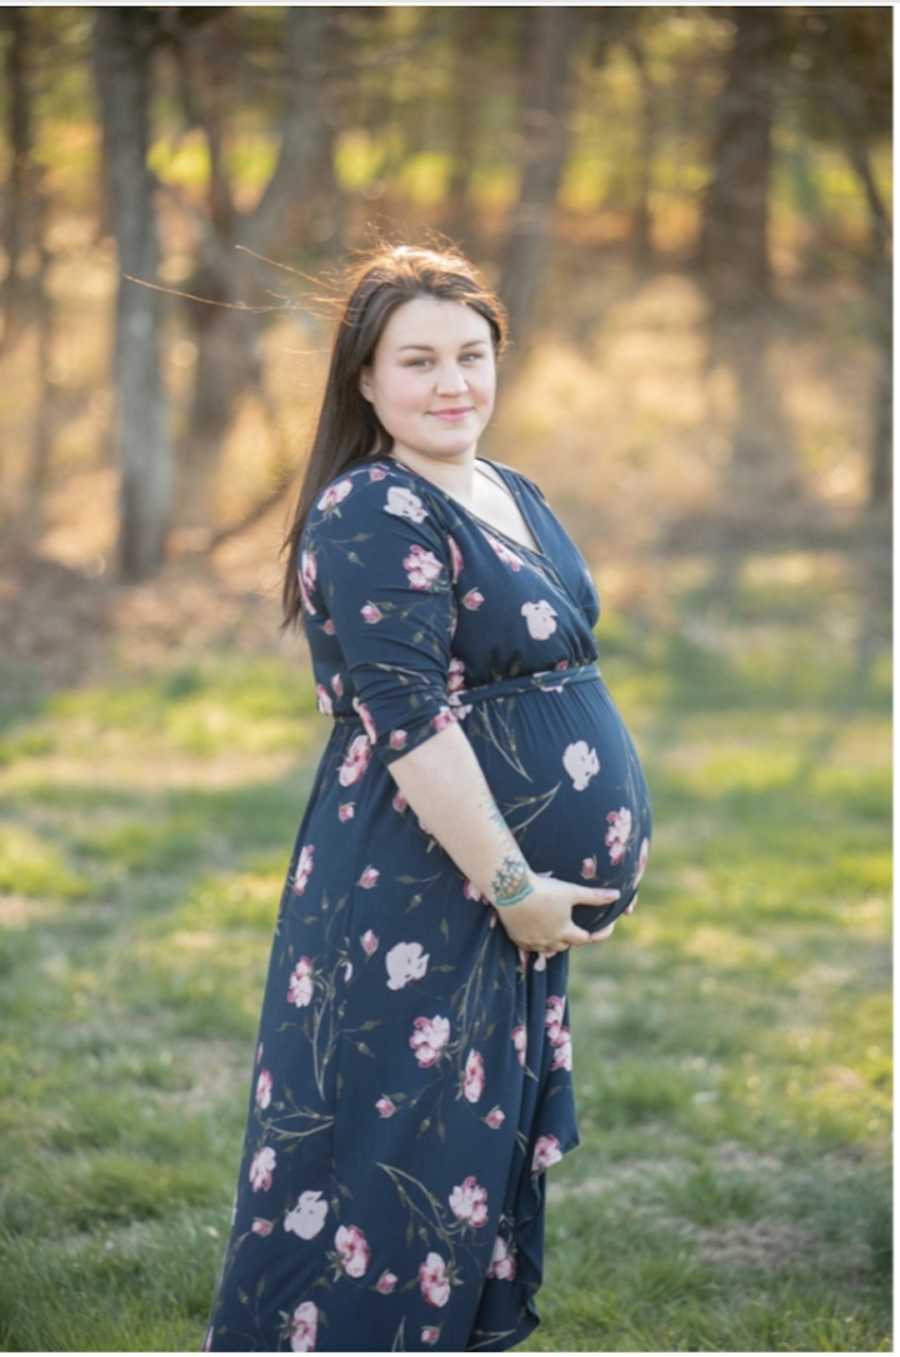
(412, 1076)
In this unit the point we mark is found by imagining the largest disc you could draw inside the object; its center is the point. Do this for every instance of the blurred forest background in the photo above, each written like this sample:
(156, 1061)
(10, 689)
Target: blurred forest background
(687, 212)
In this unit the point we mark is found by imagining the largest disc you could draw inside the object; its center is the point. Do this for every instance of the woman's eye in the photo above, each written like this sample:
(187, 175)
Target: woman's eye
(417, 362)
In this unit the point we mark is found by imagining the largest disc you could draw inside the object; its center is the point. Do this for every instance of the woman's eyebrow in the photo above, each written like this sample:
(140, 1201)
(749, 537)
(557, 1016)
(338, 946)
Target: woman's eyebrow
(430, 347)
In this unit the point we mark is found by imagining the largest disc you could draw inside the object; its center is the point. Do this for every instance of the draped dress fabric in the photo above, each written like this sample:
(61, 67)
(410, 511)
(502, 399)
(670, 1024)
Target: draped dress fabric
(411, 1081)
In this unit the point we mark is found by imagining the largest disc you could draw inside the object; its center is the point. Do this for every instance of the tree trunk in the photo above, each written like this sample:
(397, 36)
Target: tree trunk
(18, 133)
(122, 62)
(733, 246)
(551, 35)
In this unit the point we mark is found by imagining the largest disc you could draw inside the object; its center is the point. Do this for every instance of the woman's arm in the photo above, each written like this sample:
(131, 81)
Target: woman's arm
(444, 783)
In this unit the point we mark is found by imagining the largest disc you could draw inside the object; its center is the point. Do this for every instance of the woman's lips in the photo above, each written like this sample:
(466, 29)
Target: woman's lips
(453, 414)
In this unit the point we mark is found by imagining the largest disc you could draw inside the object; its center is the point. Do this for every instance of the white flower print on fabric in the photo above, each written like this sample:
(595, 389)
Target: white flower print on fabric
(430, 1036)
(581, 763)
(300, 987)
(430, 1333)
(506, 556)
(468, 1201)
(618, 833)
(386, 1107)
(405, 503)
(324, 704)
(307, 1218)
(553, 1016)
(353, 1249)
(261, 1226)
(262, 1167)
(495, 1118)
(304, 867)
(304, 1323)
(520, 1041)
(264, 1089)
(434, 1283)
(405, 962)
(540, 619)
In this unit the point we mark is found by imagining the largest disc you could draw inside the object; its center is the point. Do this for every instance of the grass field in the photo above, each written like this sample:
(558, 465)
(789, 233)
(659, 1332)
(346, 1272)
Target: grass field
(732, 1041)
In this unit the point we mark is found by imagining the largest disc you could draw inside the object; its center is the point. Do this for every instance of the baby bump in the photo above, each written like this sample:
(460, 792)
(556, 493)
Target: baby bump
(567, 778)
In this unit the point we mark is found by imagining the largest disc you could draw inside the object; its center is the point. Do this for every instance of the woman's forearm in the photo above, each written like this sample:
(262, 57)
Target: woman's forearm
(444, 783)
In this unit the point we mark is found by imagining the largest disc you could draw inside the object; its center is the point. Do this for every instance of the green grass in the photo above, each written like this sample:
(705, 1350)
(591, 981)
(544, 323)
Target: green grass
(732, 1042)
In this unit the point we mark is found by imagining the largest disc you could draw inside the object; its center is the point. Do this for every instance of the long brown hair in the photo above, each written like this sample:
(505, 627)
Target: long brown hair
(348, 430)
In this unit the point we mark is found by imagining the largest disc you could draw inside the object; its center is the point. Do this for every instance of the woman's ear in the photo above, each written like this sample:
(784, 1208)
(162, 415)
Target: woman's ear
(365, 383)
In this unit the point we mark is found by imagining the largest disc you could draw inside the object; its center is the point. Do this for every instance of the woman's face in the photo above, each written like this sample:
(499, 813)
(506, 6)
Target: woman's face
(432, 356)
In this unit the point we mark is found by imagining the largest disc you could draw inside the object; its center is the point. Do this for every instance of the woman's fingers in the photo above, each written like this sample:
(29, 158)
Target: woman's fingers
(604, 933)
(630, 908)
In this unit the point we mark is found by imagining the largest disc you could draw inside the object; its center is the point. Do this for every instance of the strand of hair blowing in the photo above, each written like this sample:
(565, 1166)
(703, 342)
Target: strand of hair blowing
(348, 430)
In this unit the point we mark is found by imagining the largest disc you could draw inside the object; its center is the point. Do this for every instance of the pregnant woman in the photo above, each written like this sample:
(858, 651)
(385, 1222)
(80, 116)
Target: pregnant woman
(479, 809)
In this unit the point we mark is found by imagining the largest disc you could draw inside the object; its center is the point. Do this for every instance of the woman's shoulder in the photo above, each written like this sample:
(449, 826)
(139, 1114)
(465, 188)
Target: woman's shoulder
(370, 495)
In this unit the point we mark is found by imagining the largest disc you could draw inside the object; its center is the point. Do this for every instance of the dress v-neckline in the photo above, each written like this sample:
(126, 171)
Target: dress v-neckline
(520, 546)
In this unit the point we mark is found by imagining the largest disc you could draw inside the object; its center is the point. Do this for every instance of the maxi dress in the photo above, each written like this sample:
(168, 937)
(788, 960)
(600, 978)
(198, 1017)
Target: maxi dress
(411, 1082)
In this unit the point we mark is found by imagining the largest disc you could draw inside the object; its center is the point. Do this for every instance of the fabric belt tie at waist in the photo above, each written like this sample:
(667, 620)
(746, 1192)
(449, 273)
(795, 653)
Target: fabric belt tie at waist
(549, 680)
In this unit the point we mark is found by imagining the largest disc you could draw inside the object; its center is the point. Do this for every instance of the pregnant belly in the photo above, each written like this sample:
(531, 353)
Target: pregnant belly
(567, 778)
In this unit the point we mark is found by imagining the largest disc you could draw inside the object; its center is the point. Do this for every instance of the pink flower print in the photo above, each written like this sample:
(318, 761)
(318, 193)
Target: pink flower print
(337, 683)
(300, 987)
(334, 494)
(472, 600)
(562, 1051)
(589, 868)
(434, 1283)
(503, 1264)
(422, 567)
(473, 1079)
(369, 878)
(365, 716)
(546, 1152)
(399, 802)
(553, 1016)
(405, 962)
(369, 942)
(328, 627)
(307, 578)
(444, 717)
(386, 1107)
(643, 855)
(303, 1327)
(397, 739)
(508, 557)
(540, 961)
(324, 703)
(471, 892)
(581, 763)
(520, 1041)
(430, 1036)
(348, 971)
(356, 760)
(386, 1283)
(456, 675)
(264, 1089)
(307, 1218)
(371, 613)
(346, 811)
(351, 1244)
(262, 1227)
(468, 1201)
(262, 1167)
(430, 1333)
(304, 867)
(377, 473)
(456, 558)
(618, 834)
(495, 1118)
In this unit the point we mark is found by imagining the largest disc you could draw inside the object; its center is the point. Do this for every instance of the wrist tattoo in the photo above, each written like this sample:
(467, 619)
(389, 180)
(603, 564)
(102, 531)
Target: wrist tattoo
(511, 882)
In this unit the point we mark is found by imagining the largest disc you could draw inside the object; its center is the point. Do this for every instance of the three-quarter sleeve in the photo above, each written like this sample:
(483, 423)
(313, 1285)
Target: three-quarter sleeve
(380, 570)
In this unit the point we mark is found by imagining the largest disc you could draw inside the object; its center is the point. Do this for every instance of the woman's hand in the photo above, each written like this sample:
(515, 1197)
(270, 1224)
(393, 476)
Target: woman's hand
(543, 922)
